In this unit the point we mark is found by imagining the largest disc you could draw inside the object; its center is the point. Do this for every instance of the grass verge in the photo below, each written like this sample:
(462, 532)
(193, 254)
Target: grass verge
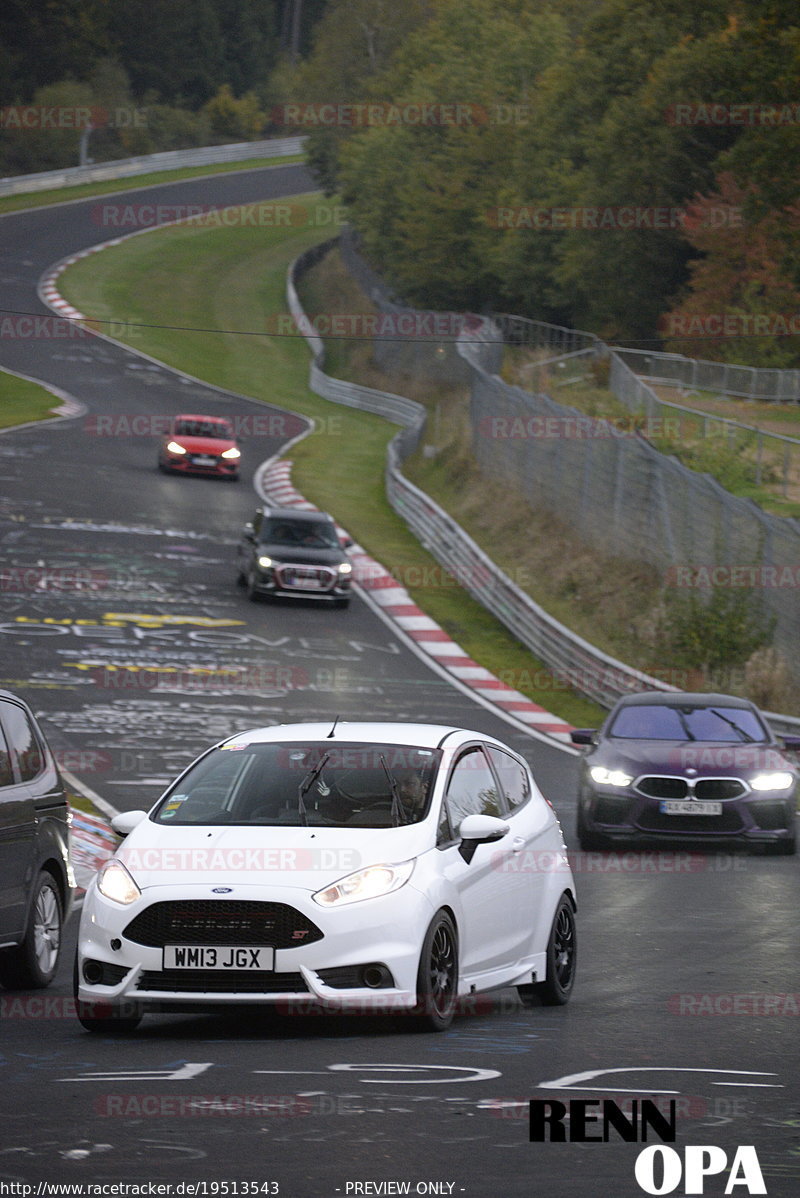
(233, 279)
(81, 191)
(22, 401)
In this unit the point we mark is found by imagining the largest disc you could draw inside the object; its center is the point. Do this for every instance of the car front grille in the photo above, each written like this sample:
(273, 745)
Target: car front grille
(658, 787)
(212, 981)
(301, 576)
(212, 921)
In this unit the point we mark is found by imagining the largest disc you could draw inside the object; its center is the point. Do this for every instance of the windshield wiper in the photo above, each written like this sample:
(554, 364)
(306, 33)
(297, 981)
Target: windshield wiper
(398, 810)
(689, 734)
(305, 786)
(744, 735)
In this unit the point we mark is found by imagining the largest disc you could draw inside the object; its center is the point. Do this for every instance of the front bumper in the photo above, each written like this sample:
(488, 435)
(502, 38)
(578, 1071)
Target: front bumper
(629, 816)
(388, 931)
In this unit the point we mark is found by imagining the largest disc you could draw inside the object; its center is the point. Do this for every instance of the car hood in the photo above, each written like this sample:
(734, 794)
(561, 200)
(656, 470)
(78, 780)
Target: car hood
(299, 858)
(213, 445)
(315, 555)
(702, 758)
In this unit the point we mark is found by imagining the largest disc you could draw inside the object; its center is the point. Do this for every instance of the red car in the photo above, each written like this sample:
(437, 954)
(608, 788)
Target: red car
(201, 445)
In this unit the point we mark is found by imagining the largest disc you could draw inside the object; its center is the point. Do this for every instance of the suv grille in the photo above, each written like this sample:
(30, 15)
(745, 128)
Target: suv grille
(302, 576)
(213, 921)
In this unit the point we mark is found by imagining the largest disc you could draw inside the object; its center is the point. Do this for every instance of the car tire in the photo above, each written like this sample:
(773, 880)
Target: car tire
(250, 586)
(32, 964)
(437, 976)
(102, 1016)
(562, 953)
(589, 840)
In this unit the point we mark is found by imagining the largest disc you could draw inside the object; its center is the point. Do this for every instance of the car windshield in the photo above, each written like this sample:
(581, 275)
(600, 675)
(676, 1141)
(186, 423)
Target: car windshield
(313, 533)
(343, 785)
(712, 723)
(203, 428)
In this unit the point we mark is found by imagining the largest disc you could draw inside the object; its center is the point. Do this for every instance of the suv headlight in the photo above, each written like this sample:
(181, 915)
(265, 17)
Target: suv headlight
(265, 562)
(372, 882)
(345, 568)
(116, 883)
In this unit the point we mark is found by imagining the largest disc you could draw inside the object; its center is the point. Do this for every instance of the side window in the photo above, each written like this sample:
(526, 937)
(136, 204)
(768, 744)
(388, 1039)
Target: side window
(258, 520)
(513, 778)
(23, 741)
(6, 769)
(472, 789)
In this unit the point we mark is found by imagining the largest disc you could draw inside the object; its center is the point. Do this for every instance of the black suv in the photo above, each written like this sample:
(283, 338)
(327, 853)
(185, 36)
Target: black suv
(296, 553)
(35, 875)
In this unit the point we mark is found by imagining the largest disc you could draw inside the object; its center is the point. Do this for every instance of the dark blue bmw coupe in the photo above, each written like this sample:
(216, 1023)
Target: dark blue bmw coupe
(687, 767)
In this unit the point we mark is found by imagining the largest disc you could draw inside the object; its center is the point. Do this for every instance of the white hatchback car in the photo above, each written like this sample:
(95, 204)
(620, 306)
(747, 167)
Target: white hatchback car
(359, 867)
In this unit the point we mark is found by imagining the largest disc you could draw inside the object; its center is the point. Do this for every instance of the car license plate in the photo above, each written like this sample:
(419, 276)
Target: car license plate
(203, 459)
(304, 582)
(203, 956)
(690, 807)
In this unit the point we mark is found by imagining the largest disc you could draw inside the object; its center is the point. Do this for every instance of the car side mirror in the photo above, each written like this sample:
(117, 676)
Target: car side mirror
(792, 743)
(583, 736)
(479, 829)
(126, 821)
(346, 542)
(248, 531)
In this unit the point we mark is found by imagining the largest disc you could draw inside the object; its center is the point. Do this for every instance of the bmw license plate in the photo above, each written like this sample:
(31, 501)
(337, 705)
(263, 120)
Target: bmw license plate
(690, 807)
(206, 956)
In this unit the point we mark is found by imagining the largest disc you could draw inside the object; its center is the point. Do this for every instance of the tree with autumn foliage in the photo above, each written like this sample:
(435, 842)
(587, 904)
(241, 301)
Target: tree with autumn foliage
(742, 303)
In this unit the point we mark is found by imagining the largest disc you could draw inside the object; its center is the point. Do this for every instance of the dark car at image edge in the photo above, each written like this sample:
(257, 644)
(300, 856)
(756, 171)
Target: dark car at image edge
(36, 880)
(686, 767)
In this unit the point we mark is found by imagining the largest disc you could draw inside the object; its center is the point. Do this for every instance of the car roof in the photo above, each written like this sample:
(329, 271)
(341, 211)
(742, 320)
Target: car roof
(429, 736)
(683, 699)
(202, 416)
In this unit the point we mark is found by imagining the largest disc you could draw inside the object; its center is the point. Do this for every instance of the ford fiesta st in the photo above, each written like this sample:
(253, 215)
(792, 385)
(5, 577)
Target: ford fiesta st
(691, 767)
(200, 445)
(371, 868)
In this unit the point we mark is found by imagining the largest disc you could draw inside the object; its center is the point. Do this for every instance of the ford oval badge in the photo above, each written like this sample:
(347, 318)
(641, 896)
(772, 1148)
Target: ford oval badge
(222, 890)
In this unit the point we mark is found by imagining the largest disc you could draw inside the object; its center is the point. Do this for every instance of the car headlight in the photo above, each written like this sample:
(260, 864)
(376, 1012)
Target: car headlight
(781, 780)
(605, 777)
(265, 562)
(174, 447)
(345, 568)
(116, 883)
(231, 453)
(372, 882)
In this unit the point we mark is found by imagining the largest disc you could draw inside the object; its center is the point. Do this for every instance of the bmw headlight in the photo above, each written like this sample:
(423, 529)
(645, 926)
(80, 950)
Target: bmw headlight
(174, 447)
(372, 882)
(605, 777)
(780, 780)
(231, 453)
(116, 883)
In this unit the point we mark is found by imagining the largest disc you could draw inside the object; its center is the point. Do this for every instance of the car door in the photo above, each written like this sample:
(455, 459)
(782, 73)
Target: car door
(493, 930)
(535, 855)
(17, 832)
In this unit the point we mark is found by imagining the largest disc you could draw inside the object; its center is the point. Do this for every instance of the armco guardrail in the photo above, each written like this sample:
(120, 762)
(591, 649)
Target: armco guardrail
(724, 378)
(572, 659)
(168, 160)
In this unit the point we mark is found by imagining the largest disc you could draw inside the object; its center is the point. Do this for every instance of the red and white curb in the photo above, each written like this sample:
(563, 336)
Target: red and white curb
(395, 602)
